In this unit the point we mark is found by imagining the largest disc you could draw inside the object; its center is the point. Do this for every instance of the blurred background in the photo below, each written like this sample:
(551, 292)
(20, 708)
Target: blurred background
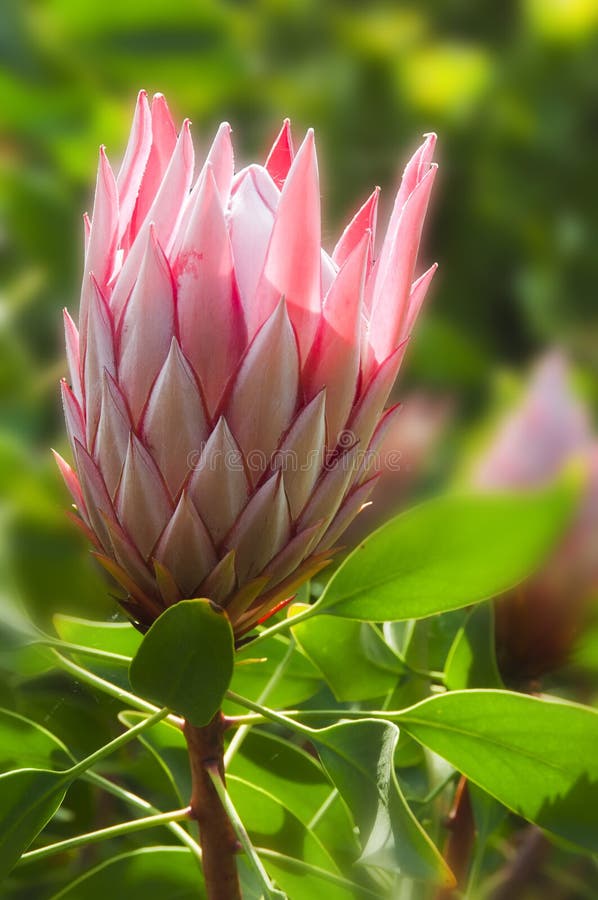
(510, 87)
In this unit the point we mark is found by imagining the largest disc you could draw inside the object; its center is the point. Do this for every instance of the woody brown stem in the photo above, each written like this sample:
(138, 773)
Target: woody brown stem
(461, 838)
(218, 841)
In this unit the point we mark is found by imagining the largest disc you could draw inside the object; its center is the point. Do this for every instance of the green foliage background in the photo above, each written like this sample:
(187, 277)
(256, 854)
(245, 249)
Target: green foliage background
(511, 88)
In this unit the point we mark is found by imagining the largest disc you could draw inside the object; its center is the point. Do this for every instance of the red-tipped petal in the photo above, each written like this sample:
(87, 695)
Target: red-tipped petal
(134, 162)
(363, 221)
(263, 397)
(393, 273)
(175, 423)
(75, 423)
(72, 482)
(221, 581)
(252, 209)
(301, 454)
(73, 355)
(210, 320)
(221, 159)
(112, 438)
(185, 547)
(147, 327)
(164, 213)
(218, 485)
(367, 412)
(163, 143)
(99, 356)
(97, 500)
(261, 530)
(101, 248)
(142, 501)
(293, 266)
(331, 489)
(350, 508)
(335, 357)
(419, 289)
(280, 157)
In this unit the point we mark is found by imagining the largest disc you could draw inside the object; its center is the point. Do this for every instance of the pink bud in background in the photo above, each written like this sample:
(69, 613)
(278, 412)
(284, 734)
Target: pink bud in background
(538, 622)
(228, 375)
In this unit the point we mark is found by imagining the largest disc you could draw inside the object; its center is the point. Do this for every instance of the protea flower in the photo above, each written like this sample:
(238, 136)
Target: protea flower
(537, 623)
(228, 375)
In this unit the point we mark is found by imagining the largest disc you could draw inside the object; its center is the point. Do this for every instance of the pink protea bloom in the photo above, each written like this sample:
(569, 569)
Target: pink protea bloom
(538, 622)
(228, 375)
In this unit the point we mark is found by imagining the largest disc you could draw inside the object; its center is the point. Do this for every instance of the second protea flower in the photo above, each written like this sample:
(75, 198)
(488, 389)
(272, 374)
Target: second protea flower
(228, 375)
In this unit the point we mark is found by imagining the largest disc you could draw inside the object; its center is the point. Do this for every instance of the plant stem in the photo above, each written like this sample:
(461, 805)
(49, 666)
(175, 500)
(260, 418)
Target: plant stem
(118, 742)
(104, 834)
(242, 833)
(216, 834)
(132, 799)
(57, 644)
(270, 714)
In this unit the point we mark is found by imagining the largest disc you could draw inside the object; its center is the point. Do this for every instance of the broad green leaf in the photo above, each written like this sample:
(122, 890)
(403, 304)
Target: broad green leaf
(359, 758)
(28, 800)
(152, 873)
(330, 642)
(24, 743)
(270, 824)
(295, 778)
(538, 757)
(114, 637)
(185, 661)
(300, 682)
(471, 662)
(448, 553)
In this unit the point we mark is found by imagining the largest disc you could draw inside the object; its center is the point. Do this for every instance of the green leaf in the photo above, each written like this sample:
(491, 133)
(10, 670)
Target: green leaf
(25, 743)
(301, 680)
(448, 553)
(114, 637)
(152, 873)
(270, 824)
(185, 661)
(295, 778)
(471, 662)
(330, 641)
(538, 757)
(28, 800)
(359, 758)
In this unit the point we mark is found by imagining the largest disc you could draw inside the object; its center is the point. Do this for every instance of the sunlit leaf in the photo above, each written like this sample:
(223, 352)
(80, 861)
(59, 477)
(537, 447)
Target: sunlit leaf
(538, 757)
(270, 824)
(471, 662)
(331, 641)
(359, 758)
(449, 552)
